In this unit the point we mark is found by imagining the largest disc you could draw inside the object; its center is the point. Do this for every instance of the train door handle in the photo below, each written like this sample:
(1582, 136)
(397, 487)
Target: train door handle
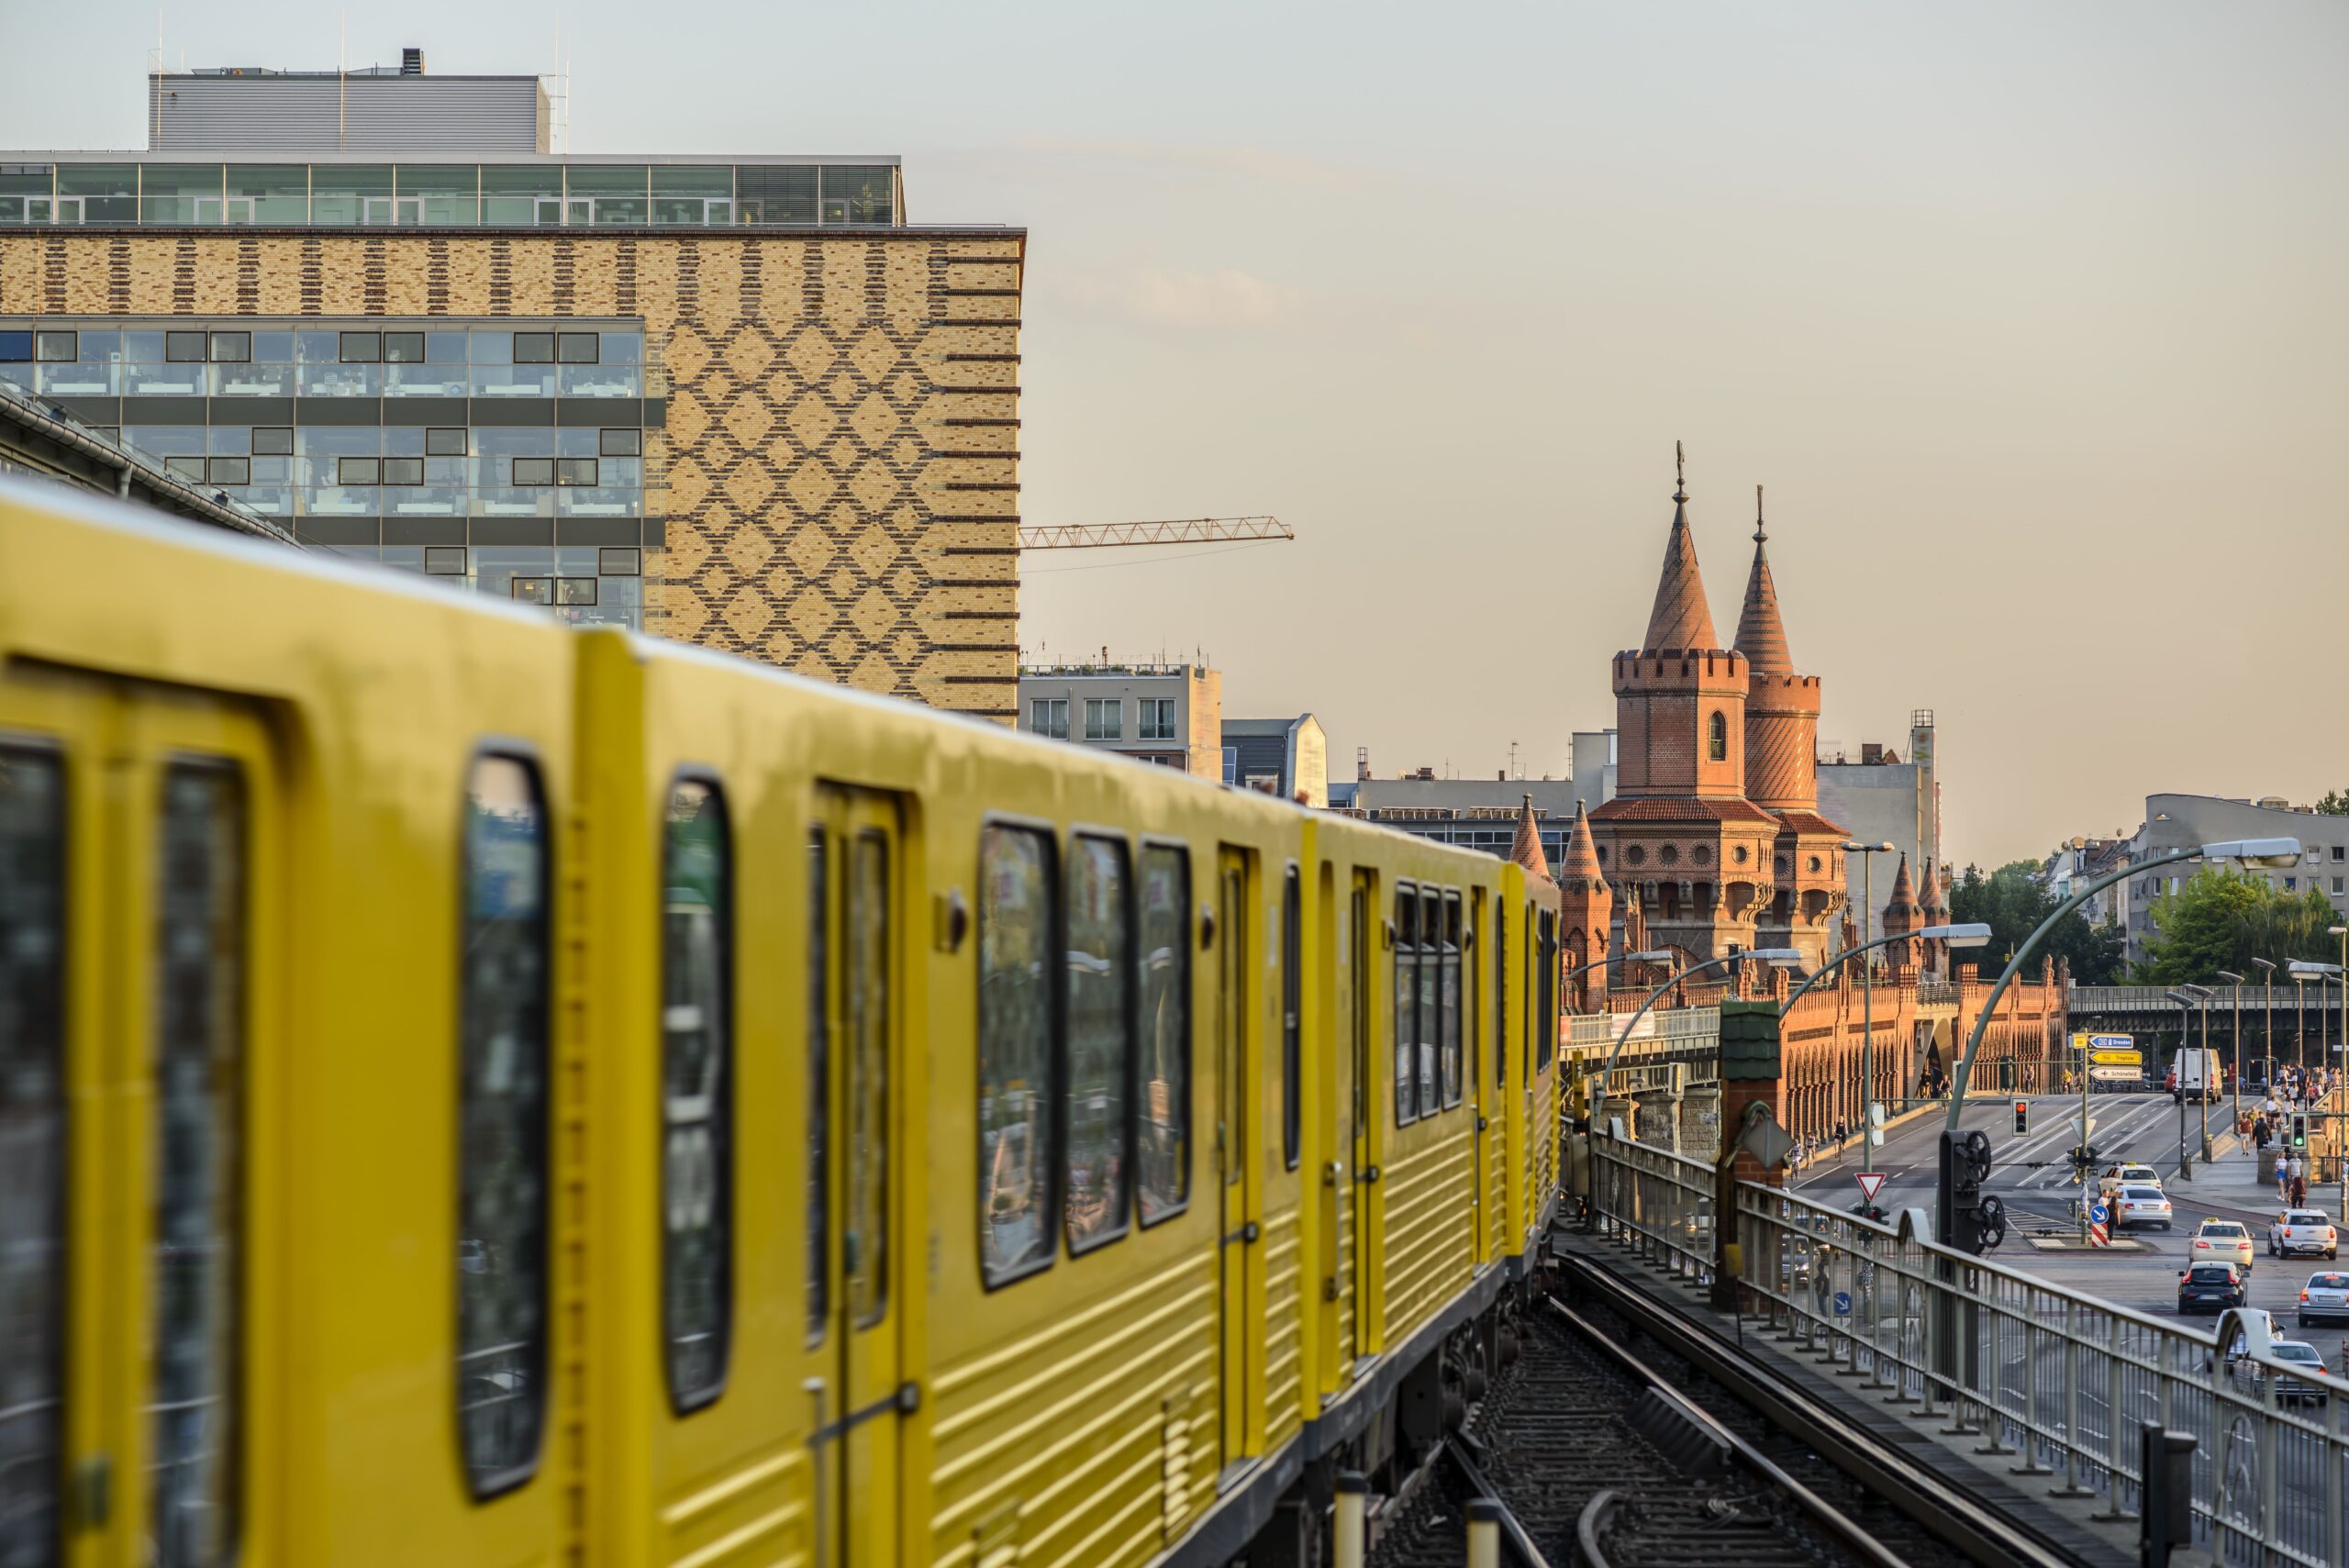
(1249, 1232)
(1331, 1177)
(1368, 1173)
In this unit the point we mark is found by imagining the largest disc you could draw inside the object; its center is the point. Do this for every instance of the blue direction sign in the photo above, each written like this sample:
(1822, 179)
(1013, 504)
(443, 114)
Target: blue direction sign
(1843, 1304)
(2099, 1214)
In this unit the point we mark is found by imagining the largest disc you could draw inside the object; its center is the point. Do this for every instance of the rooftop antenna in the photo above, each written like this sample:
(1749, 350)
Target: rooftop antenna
(1513, 762)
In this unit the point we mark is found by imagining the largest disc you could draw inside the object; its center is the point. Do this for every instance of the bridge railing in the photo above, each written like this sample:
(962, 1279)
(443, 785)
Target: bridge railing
(2017, 1365)
(2092, 999)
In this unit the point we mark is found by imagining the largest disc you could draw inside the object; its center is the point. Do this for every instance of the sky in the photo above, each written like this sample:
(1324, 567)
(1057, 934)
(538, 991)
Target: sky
(2033, 320)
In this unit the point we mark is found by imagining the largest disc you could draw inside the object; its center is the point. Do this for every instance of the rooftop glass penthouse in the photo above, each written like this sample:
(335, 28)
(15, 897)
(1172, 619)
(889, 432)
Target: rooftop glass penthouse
(360, 190)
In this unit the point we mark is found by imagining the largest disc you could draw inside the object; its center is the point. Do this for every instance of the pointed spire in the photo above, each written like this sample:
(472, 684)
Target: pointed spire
(1904, 895)
(1527, 850)
(1681, 618)
(1760, 635)
(1582, 849)
(1929, 901)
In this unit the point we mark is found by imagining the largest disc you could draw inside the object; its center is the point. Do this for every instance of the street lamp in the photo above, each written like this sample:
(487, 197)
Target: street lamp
(2185, 1040)
(2203, 994)
(2236, 981)
(2267, 1024)
(2341, 1129)
(1867, 854)
(1657, 957)
(2245, 852)
(1785, 957)
(1968, 934)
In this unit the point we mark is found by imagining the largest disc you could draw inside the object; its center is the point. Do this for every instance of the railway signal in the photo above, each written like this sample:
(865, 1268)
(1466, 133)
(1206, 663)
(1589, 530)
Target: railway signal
(1969, 1219)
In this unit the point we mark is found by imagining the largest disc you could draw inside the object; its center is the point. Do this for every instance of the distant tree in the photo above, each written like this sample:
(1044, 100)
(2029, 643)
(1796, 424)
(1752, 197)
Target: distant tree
(2223, 919)
(2013, 903)
(2333, 802)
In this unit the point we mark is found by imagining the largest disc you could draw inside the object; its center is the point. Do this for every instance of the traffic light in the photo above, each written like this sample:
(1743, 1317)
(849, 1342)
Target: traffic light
(2022, 1118)
(1968, 1220)
(2300, 1129)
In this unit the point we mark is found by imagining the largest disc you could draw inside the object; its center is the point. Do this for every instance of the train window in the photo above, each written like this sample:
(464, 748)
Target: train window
(697, 1097)
(1015, 1051)
(1291, 997)
(819, 1084)
(1449, 1000)
(196, 1332)
(1545, 1041)
(1407, 1005)
(1430, 982)
(502, 1128)
(32, 1153)
(866, 1245)
(1100, 1043)
(1165, 1157)
(1501, 992)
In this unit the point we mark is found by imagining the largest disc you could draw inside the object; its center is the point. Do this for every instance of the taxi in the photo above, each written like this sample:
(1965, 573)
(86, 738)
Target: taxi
(2222, 1241)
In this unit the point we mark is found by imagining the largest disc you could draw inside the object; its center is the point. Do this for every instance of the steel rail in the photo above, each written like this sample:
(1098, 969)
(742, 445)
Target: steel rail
(1969, 1523)
(1514, 1536)
(1847, 1530)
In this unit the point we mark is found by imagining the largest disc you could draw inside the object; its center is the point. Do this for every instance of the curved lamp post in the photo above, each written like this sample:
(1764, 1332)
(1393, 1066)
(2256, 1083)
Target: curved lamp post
(2267, 1023)
(2247, 852)
(1867, 854)
(1969, 934)
(2232, 978)
(1784, 956)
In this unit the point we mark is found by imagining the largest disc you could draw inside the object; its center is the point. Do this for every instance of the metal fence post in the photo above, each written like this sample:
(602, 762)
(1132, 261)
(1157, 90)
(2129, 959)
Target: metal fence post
(2071, 1487)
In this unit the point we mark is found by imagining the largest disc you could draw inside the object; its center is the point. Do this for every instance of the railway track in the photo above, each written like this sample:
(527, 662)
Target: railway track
(1598, 1460)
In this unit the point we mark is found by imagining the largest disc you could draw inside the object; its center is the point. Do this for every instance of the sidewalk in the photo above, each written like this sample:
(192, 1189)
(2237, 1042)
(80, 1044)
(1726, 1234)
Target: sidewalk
(2240, 1178)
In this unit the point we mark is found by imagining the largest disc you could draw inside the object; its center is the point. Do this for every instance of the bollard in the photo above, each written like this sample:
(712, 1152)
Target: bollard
(1352, 1526)
(2166, 1507)
(1483, 1533)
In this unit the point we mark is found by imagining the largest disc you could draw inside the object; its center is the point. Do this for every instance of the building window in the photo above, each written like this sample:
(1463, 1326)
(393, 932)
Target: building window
(534, 348)
(1717, 738)
(1157, 718)
(444, 560)
(575, 469)
(184, 348)
(362, 347)
(272, 440)
(357, 470)
(55, 347)
(619, 443)
(232, 348)
(2291, 885)
(1105, 718)
(1049, 716)
(403, 470)
(2336, 884)
(443, 443)
(533, 471)
(403, 348)
(230, 470)
(576, 348)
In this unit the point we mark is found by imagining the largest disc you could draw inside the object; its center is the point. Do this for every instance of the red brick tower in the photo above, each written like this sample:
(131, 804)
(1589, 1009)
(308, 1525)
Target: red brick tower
(1804, 887)
(1902, 915)
(1586, 912)
(1680, 833)
(1933, 910)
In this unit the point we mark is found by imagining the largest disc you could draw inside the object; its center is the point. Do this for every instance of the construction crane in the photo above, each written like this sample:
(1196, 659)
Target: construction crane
(1180, 530)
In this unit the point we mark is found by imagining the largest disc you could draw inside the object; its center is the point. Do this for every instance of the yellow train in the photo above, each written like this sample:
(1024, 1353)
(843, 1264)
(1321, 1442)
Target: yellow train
(475, 1091)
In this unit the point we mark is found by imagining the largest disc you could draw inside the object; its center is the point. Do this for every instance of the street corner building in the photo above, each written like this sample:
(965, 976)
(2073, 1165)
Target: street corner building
(737, 401)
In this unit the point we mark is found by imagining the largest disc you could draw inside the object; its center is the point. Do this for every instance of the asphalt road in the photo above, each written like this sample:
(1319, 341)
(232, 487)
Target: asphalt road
(2032, 1176)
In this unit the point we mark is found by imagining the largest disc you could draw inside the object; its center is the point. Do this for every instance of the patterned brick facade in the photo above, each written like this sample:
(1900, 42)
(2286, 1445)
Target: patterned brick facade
(839, 466)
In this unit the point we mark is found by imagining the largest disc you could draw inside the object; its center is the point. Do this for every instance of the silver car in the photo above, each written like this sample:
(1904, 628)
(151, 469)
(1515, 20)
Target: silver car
(2325, 1299)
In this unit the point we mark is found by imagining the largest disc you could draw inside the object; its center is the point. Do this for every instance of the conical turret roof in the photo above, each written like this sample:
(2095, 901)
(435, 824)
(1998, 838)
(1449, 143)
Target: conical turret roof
(1681, 618)
(1760, 635)
(1527, 850)
(1930, 901)
(1904, 892)
(1582, 849)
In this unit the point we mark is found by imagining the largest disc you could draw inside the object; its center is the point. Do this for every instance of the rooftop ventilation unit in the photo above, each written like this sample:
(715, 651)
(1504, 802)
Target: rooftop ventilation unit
(411, 62)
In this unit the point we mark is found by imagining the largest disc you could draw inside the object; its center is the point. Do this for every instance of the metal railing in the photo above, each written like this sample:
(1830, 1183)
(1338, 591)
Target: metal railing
(2013, 1365)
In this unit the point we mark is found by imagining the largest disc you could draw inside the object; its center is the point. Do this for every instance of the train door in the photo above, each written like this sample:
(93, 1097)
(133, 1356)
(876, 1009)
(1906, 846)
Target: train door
(1361, 941)
(1236, 1162)
(856, 1063)
(138, 907)
(1462, 1058)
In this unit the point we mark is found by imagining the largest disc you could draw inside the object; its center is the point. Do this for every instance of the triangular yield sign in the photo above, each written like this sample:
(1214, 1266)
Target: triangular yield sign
(1871, 1182)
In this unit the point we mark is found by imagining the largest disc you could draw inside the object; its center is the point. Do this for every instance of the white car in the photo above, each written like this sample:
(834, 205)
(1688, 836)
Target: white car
(2287, 1389)
(2134, 1205)
(2298, 1231)
(2224, 1241)
(2325, 1299)
(2118, 1177)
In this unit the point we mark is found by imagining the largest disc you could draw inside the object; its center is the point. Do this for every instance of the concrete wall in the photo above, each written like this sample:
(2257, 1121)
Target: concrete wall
(840, 456)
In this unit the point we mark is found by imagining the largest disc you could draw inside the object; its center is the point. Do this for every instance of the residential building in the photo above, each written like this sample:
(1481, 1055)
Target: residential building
(1714, 840)
(1881, 799)
(2081, 861)
(1476, 814)
(1286, 757)
(1169, 713)
(740, 401)
(2173, 822)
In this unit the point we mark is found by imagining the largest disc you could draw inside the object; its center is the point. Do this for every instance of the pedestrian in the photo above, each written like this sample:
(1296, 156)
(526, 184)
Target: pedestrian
(2281, 1190)
(2300, 1191)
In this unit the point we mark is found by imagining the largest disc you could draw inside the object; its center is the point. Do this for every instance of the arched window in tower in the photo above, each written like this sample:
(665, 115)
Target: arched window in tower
(1717, 738)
